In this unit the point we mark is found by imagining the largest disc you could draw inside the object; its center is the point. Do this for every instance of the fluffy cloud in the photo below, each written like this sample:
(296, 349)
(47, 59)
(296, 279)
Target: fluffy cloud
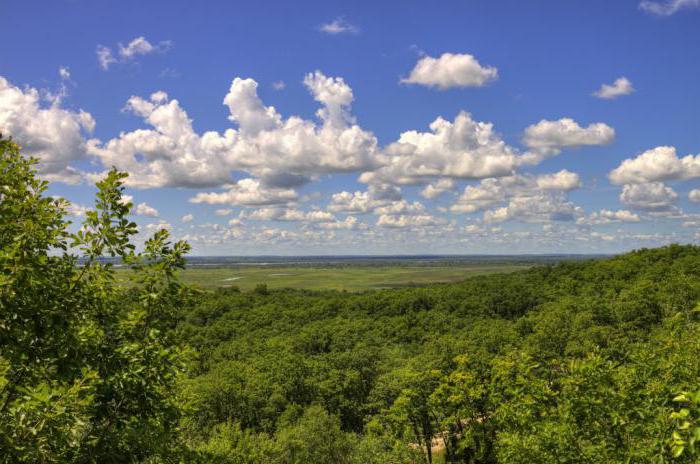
(279, 150)
(386, 203)
(538, 207)
(171, 154)
(694, 195)
(349, 223)
(474, 198)
(289, 214)
(606, 216)
(474, 229)
(621, 86)
(357, 202)
(469, 149)
(144, 209)
(622, 215)
(338, 26)
(137, 47)
(668, 7)
(435, 189)
(154, 227)
(282, 153)
(401, 207)
(490, 192)
(450, 70)
(335, 96)
(650, 196)
(363, 202)
(247, 192)
(657, 164)
(48, 132)
(550, 137)
(402, 221)
(563, 180)
(247, 110)
(187, 218)
(463, 149)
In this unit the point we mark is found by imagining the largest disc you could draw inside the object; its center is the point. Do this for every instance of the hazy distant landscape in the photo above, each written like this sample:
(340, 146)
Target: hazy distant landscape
(352, 273)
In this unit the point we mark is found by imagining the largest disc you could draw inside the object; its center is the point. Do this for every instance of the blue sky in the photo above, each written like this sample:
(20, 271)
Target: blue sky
(471, 126)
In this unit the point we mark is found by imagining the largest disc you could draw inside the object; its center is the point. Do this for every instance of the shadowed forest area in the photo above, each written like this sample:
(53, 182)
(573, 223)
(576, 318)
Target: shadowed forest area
(578, 362)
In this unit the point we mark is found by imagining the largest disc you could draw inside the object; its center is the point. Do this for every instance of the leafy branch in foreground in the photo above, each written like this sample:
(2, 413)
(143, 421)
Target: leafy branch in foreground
(686, 437)
(87, 367)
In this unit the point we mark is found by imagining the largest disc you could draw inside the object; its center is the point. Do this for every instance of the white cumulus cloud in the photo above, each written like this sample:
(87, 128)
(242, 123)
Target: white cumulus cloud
(606, 216)
(437, 188)
(563, 180)
(537, 207)
(658, 164)
(376, 196)
(283, 153)
(349, 223)
(169, 155)
(54, 135)
(402, 221)
(289, 214)
(450, 70)
(621, 86)
(649, 196)
(462, 149)
(548, 138)
(247, 192)
(516, 189)
(144, 209)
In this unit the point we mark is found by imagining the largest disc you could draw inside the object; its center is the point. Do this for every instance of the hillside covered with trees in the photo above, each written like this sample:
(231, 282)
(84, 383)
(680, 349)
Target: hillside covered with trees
(585, 362)
(577, 362)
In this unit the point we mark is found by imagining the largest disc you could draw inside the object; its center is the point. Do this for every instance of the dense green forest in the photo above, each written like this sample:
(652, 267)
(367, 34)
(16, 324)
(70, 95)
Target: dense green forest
(581, 362)
(575, 362)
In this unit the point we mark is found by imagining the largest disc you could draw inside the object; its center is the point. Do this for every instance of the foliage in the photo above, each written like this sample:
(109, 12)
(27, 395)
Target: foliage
(86, 368)
(686, 436)
(575, 362)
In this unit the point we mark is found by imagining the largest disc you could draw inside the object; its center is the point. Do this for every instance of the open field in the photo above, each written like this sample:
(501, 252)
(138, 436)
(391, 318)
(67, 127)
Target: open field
(351, 278)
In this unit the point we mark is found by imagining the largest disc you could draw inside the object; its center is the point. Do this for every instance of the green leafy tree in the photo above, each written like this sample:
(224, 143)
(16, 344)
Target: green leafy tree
(315, 437)
(87, 368)
(412, 415)
(686, 436)
(465, 411)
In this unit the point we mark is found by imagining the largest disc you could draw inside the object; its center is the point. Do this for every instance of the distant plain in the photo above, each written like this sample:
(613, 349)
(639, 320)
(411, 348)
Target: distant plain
(348, 273)
(351, 278)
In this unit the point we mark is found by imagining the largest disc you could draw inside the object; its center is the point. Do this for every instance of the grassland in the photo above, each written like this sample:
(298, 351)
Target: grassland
(350, 278)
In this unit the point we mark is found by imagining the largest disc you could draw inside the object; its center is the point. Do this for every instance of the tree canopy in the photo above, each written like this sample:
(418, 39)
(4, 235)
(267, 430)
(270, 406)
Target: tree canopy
(87, 369)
